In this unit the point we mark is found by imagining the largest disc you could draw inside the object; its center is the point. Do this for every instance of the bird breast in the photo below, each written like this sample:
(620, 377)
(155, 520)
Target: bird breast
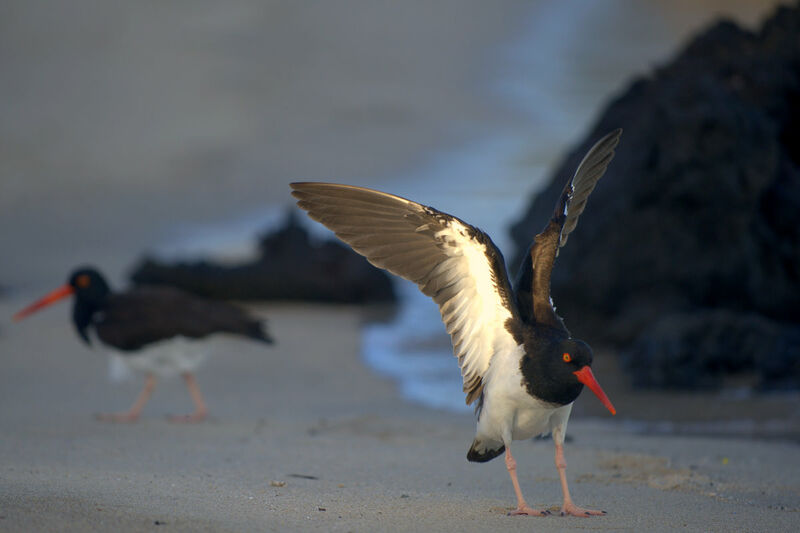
(508, 410)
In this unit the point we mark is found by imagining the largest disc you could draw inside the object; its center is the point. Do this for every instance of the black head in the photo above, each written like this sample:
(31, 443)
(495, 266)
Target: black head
(89, 286)
(572, 355)
(91, 292)
(557, 369)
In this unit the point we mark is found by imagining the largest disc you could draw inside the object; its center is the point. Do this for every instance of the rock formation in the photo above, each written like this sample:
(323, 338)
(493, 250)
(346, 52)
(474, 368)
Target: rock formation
(290, 266)
(688, 256)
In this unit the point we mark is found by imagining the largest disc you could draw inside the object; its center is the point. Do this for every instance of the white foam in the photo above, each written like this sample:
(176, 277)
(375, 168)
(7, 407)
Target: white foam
(414, 351)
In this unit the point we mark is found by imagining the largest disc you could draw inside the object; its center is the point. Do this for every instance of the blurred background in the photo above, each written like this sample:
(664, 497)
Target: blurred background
(172, 130)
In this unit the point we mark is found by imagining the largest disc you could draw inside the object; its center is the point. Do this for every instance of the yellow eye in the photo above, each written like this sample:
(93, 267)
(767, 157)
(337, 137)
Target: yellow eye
(83, 281)
(566, 357)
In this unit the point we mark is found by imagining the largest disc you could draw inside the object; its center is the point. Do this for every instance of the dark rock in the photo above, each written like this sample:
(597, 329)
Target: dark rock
(697, 350)
(290, 267)
(700, 209)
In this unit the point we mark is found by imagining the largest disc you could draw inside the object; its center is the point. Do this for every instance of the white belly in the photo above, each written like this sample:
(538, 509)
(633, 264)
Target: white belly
(535, 420)
(167, 358)
(510, 413)
(508, 416)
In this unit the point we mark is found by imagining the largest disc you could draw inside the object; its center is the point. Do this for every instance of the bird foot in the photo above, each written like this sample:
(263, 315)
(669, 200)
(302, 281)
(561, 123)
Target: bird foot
(189, 419)
(573, 510)
(124, 418)
(525, 510)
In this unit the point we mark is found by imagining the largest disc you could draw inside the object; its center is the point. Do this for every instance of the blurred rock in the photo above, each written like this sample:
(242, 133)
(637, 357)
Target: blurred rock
(693, 237)
(290, 267)
(697, 350)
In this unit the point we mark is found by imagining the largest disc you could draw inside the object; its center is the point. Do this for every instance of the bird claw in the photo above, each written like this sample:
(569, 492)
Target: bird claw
(573, 510)
(525, 510)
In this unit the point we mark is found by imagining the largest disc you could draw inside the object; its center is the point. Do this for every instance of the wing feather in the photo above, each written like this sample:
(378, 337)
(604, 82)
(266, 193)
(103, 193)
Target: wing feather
(533, 283)
(452, 262)
(131, 320)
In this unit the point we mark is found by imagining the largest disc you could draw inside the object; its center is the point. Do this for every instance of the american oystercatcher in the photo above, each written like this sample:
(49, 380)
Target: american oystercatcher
(517, 359)
(152, 329)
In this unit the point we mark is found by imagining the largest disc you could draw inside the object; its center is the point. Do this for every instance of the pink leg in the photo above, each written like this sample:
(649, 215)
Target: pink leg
(132, 415)
(522, 507)
(200, 410)
(569, 507)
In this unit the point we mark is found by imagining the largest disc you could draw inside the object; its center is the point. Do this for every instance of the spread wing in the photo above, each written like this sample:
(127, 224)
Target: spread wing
(452, 262)
(533, 285)
(144, 315)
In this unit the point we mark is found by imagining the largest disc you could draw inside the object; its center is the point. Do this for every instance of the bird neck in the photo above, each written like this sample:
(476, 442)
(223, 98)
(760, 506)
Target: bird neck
(82, 313)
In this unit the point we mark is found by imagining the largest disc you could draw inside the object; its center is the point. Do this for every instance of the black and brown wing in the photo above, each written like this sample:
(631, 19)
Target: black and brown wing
(144, 315)
(452, 262)
(533, 284)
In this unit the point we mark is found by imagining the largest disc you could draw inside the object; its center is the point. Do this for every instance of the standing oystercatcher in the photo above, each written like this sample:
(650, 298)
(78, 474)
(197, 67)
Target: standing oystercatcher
(153, 329)
(517, 358)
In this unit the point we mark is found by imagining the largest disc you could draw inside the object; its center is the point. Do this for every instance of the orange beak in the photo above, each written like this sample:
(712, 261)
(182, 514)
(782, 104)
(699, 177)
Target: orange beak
(586, 377)
(56, 295)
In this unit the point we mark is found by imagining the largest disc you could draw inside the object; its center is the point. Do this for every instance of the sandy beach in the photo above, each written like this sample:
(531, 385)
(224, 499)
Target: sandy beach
(124, 123)
(304, 438)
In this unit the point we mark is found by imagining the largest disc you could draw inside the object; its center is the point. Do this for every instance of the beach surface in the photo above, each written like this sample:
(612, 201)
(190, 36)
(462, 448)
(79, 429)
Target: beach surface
(303, 438)
(124, 124)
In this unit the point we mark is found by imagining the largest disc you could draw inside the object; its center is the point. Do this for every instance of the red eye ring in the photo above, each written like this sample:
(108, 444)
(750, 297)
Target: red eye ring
(83, 281)
(566, 357)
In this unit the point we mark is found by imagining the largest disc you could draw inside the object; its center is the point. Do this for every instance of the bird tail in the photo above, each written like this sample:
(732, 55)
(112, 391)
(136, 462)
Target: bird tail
(481, 451)
(258, 330)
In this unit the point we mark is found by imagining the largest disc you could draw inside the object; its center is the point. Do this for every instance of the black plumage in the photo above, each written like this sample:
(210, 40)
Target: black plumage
(131, 320)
